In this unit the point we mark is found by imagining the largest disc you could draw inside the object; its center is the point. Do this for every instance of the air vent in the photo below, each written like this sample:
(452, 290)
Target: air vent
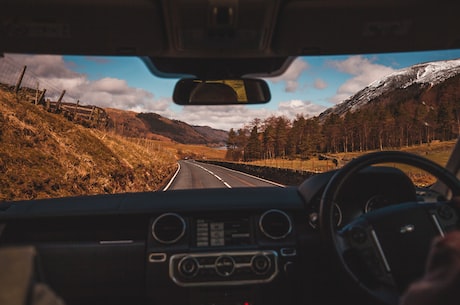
(168, 228)
(275, 224)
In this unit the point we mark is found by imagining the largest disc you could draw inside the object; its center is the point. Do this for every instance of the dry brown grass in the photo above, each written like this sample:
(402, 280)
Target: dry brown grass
(181, 151)
(438, 152)
(43, 155)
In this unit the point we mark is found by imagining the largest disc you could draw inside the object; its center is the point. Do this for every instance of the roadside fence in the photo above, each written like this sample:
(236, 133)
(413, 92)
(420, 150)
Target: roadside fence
(31, 88)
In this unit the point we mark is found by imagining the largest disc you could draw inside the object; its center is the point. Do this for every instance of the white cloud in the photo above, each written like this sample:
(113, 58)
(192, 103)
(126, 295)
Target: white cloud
(236, 116)
(221, 117)
(291, 108)
(116, 93)
(46, 71)
(55, 74)
(44, 66)
(291, 86)
(113, 85)
(364, 72)
(320, 84)
(292, 74)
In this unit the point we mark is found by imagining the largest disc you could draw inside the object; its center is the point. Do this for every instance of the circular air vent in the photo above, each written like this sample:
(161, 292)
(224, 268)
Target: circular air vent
(275, 224)
(168, 228)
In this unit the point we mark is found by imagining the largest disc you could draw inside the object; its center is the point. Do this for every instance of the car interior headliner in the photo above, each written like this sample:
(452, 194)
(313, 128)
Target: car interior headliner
(190, 37)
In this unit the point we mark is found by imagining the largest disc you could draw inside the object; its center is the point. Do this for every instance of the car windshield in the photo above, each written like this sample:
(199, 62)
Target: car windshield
(77, 125)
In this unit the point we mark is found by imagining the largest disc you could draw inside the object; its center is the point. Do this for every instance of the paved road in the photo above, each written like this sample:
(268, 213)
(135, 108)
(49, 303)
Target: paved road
(193, 175)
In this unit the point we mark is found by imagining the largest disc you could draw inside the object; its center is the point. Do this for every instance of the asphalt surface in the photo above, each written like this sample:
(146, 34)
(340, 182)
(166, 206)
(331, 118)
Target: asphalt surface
(196, 175)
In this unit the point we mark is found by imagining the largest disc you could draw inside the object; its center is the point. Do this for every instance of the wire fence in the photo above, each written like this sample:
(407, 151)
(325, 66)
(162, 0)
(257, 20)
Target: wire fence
(30, 87)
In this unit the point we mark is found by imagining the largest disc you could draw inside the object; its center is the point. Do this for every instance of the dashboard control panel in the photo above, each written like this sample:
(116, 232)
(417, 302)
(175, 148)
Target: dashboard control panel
(218, 231)
(213, 269)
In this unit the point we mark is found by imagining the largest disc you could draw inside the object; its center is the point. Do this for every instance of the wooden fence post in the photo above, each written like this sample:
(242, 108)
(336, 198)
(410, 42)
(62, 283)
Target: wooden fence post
(36, 93)
(58, 104)
(75, 110)
(91, 115)
(41, 97)
(18, 83)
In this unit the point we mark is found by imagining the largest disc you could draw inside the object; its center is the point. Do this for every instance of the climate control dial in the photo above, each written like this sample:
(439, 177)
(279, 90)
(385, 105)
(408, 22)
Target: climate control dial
(188, 267)
(225, 265)
(260, 264)
(223, 268)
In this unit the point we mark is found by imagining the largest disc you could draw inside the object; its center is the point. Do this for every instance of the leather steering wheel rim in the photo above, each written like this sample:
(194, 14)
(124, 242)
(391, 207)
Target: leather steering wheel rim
(326, 216)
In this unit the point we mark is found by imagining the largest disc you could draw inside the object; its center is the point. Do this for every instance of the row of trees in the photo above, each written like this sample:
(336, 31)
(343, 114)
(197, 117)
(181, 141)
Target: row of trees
(374, 127)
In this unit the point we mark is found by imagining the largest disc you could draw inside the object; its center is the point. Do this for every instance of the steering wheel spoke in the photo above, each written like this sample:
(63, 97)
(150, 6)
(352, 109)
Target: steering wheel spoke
(445, 216)
(364, 254)
(384, 250)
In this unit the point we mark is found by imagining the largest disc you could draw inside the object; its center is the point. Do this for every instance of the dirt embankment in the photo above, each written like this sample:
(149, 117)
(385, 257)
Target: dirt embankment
(44, 155)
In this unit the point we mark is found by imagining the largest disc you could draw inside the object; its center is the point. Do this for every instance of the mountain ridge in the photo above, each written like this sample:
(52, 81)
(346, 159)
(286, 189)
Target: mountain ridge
(150, 125)
(423, 76)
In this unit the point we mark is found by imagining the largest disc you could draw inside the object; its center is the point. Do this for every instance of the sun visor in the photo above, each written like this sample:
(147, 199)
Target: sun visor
(81, 27)
(358, 27)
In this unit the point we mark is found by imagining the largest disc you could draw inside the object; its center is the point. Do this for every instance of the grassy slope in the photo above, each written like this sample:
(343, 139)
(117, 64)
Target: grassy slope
(43, 155)
(437, 152)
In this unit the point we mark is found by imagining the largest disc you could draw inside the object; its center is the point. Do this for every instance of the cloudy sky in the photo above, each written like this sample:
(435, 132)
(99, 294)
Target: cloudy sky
(309, 86)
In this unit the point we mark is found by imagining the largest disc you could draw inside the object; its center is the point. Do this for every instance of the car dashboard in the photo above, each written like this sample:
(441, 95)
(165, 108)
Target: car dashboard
(211, 246)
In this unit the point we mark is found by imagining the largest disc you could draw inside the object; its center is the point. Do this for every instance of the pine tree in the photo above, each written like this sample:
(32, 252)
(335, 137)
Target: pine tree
(281, 133)
(252, 151)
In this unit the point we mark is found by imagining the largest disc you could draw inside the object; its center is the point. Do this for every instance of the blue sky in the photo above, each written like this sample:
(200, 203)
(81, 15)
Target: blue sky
(310, 84)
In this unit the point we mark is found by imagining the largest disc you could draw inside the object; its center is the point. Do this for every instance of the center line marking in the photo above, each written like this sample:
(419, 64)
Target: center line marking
(210, 172)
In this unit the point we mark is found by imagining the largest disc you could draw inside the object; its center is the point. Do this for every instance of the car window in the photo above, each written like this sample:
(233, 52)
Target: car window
(73, 125)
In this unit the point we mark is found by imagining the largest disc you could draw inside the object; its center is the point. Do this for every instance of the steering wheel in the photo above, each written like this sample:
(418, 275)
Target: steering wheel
(384, 250)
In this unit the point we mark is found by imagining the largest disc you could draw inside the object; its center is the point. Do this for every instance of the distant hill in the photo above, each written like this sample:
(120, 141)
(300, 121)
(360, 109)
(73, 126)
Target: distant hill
(415, 105)
(428, 82)
(44, 155)
(412, 106)
(214, 135)
(155, 126)
(127, 123)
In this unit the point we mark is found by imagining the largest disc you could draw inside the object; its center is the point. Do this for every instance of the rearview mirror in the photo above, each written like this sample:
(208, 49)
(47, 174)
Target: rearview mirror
(190, 91)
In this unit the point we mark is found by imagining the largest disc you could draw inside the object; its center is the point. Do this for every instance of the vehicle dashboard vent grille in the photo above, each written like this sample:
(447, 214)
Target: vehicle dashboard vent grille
(275, 224)
(168, 228)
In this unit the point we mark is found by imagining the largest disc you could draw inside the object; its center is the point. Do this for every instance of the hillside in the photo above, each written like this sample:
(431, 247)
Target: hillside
(216, 136)
(44, 155)
(178, 131)
(413, 106)
(128, 124)
(427, 82)
(154, 126)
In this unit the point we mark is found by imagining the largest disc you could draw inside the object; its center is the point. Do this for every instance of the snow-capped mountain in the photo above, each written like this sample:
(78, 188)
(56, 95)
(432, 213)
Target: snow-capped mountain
(424, 75)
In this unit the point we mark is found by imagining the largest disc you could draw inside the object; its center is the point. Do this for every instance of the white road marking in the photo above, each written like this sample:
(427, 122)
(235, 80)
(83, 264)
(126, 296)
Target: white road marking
(248, 175)
(210, 172)
(172, 179)
(217, 177)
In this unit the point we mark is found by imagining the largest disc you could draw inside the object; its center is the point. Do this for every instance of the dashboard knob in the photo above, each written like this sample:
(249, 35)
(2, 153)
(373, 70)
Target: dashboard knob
(225, 265)
(188, 267)
(260, 264)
